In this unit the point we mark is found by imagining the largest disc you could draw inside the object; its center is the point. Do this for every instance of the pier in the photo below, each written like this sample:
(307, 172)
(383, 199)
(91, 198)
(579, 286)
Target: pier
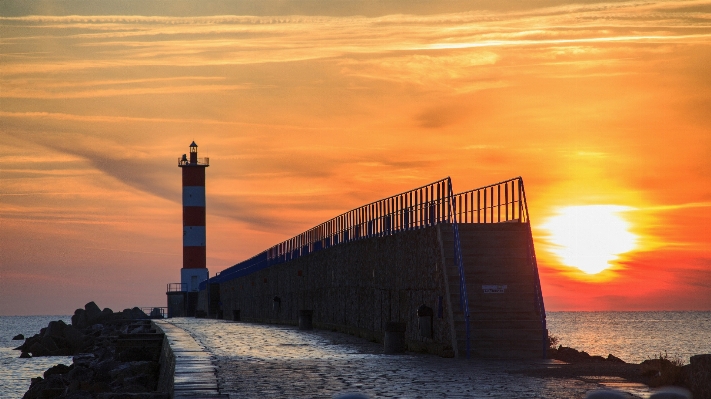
(250, 360)
(454, 274)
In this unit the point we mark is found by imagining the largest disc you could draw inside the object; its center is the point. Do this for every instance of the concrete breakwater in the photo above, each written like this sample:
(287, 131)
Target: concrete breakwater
(410, 277)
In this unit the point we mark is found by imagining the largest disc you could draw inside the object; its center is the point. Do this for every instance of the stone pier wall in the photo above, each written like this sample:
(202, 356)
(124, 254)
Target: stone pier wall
(355, 287)
(358, 287)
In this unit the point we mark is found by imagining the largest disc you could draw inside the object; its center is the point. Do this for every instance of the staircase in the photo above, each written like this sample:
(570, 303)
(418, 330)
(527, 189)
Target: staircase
(504, 322)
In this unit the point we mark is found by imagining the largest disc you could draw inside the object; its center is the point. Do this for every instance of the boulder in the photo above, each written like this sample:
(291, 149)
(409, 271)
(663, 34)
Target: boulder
(93, 312)
(654, 367)
(137, 313)
(700, 376)
(24, 355)
(61, 352)
(55, 329)
(615, 359)
(38, 350)
(49, 343)
(128, 370)
(81, 374)
(83, 359)
(79, 319)
(74, 338)
(18, 337)
(58, 369)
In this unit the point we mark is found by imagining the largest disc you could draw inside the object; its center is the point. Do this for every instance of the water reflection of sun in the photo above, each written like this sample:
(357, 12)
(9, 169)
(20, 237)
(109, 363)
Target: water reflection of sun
(590, 237)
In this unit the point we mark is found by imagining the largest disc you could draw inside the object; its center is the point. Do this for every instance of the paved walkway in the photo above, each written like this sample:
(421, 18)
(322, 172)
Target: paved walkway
(267, 361)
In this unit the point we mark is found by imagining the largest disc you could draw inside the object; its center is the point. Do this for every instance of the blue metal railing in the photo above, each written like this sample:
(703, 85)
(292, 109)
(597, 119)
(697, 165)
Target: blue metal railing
(540, 307)
(424, 206)
(414, 209)
(496, 203)
(463, 297)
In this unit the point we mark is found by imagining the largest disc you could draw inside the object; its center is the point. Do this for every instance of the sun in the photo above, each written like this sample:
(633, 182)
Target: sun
(590, 237)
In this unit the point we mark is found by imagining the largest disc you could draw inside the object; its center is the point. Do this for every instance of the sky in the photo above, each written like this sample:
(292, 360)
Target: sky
(307, 109)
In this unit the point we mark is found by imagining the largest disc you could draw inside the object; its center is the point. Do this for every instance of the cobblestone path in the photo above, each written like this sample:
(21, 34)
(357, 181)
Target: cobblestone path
(268, 361)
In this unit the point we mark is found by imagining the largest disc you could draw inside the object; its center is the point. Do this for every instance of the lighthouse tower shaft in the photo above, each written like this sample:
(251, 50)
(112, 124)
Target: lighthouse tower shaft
(194, 268)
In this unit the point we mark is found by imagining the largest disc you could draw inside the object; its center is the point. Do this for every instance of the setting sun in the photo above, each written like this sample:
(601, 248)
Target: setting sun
(590, 237)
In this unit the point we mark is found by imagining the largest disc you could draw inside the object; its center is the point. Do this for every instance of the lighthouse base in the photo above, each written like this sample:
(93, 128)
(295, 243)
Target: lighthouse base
(192, 277)
(182, 303)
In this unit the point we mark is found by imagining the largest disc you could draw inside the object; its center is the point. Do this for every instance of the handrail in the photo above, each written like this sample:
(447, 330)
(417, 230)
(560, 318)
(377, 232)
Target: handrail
(149, 310)
(176, 287)
(540, 307)
(489, 204)
(463, 297)
(414, 209)
(421, 207)
(200, 162)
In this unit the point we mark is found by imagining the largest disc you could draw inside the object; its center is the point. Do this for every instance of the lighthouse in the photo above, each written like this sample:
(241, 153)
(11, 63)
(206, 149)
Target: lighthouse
(194, 268)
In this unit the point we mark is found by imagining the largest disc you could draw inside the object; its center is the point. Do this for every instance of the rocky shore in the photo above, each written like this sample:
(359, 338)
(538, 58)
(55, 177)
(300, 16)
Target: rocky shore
(657, 372)
(115, 356)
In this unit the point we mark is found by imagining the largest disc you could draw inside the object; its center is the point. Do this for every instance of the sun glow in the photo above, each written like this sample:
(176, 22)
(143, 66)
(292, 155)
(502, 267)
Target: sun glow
(590, 237)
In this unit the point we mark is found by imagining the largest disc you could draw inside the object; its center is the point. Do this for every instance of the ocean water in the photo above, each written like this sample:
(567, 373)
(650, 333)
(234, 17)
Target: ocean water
(634, 336)
(15, 373)
(631, 336)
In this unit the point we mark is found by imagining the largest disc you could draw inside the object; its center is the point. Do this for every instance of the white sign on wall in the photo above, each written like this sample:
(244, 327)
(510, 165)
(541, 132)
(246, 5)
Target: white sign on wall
(493, 289)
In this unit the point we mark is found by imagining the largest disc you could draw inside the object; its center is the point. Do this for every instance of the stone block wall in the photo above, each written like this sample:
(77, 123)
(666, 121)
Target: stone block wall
(359, 286)
(355, 287)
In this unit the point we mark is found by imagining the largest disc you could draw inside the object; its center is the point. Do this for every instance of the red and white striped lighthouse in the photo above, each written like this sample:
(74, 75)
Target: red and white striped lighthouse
(194, 268)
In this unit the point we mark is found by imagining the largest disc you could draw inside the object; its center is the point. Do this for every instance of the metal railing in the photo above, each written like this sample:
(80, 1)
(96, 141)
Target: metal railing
(421, 207)
(424, 206)
(200, 161)
(540, 307)
(463, 296)
(155, 311)
(496, 203)
(176, 287)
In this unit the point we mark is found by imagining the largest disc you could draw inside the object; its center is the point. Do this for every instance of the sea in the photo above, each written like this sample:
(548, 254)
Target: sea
(631, 336)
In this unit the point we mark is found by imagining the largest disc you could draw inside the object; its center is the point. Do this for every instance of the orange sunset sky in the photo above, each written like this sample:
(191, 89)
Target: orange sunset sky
(308, 109)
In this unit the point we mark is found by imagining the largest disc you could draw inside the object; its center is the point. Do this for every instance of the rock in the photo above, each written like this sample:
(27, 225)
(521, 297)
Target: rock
(78, 395)
(79, 319)
(49, 343)
(24, 355)
(653, 367)
(699, 378)
(612, 358)
(81, 374)
(571, 355)
(55, 329)
(38, 350)
(61, 352)
(83, 359)
(74, 337)
(137, 313)
(18, 337)
(58, 369)
(93, 312)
